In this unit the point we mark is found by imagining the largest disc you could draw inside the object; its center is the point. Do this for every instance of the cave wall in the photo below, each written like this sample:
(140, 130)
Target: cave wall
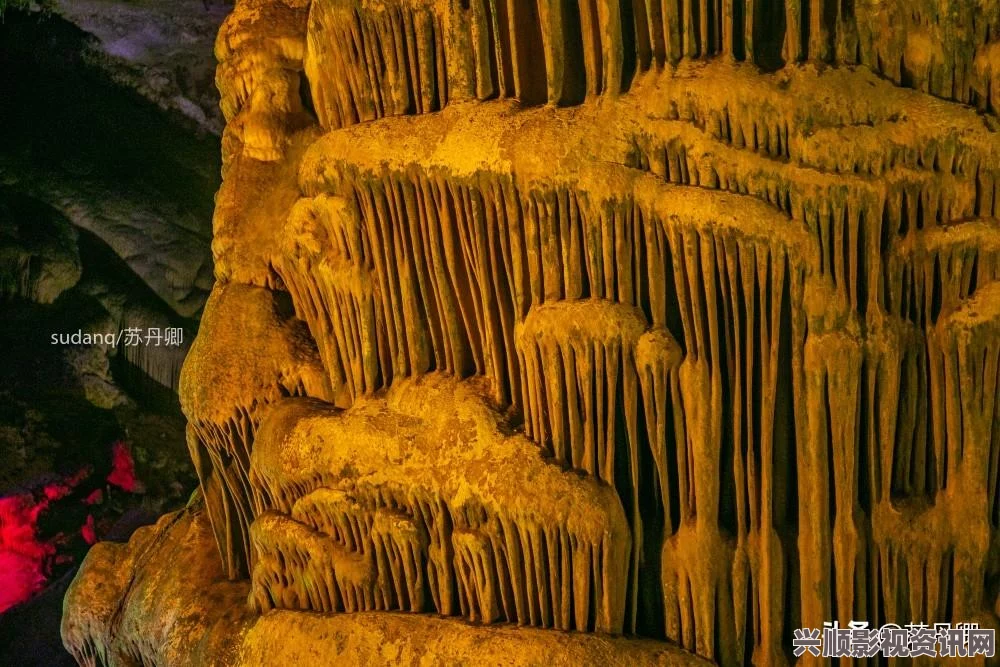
(669, 319)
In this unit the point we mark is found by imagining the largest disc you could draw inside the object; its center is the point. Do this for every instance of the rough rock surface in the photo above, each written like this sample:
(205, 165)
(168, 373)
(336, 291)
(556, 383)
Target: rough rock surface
(105, 207)
(205, 619)
(727, 277)
(39, 257)
(260, 355)
(160, 48)
(109, 161)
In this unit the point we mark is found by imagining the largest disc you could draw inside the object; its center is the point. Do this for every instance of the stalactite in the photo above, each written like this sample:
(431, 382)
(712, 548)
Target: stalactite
(423, 237)
(432, 532)
(725, 284)
(932, 271)
(580, 394)
(795, 276)
(573, 356)
(650, 251)
(227, 380)
(848, 215)
(964, 353)
(371, 60)
(732, 293)
(658, 360)
(828, 465)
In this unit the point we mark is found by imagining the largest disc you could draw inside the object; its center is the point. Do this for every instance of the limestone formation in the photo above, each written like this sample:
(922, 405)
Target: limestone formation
(39, 259)
(85, 142)
(257, 358)
(672, 320)
(422, 496)
(203, 619)
(162, 49)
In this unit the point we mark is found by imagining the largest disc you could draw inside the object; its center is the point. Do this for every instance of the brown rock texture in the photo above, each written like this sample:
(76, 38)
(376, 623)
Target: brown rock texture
(667, 320)
(201, 618)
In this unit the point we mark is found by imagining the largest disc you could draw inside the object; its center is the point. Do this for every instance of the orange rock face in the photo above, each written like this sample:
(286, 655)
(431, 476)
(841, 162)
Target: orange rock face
(674, 322)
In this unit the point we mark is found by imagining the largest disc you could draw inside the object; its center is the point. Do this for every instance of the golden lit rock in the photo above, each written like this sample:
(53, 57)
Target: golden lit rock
(681, 327)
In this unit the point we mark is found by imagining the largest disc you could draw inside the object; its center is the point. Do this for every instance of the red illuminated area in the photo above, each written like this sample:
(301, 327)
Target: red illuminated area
(123, 468)
(23, 558)
(27, 554)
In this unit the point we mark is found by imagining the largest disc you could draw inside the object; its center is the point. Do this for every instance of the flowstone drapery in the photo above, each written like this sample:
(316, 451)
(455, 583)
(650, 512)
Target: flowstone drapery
(673, 320)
